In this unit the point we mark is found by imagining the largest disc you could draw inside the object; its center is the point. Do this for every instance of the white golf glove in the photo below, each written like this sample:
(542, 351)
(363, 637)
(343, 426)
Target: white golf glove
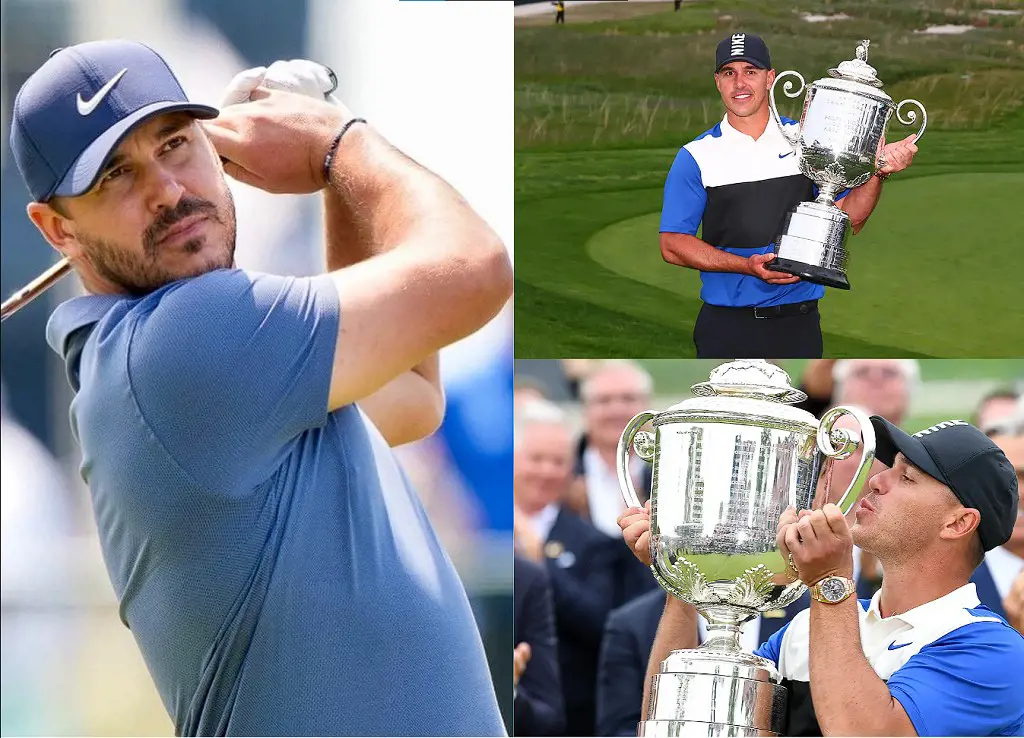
(300, 76)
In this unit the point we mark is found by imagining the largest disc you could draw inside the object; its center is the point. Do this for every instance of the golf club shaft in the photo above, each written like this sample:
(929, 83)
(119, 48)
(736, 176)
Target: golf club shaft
(34, 289)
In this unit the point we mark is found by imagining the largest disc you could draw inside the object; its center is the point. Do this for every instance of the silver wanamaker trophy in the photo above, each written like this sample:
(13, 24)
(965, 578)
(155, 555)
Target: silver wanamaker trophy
(837, 145)
(727, 463)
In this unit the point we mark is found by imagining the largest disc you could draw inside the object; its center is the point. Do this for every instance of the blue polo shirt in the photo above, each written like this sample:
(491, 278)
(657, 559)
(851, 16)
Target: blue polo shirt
(741, 190)
(271, 559)
(955, 666)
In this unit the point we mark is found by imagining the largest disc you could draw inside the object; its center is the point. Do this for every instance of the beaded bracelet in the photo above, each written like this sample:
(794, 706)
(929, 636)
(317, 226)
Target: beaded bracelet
(334, 146)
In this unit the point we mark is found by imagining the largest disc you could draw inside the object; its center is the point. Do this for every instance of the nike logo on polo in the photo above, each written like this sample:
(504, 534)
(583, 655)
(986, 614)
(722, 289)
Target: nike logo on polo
(893, 646)
(783, 156)
(87, 106)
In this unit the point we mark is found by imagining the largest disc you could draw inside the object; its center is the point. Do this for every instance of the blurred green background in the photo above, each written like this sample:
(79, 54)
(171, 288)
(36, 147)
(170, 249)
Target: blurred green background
(604, 103)
(948, 388)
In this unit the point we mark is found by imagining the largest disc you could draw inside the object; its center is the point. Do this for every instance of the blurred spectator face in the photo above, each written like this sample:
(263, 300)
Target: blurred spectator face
(1013, 447)
(543, 465)
(612, 397)
(878, 386)
(163, 212)
(995, 409)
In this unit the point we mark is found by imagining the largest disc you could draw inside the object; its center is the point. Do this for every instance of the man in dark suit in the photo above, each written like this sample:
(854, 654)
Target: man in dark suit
(581, 561)
(537, 707)
(626, 649)
(612, 392)
(1003, 565)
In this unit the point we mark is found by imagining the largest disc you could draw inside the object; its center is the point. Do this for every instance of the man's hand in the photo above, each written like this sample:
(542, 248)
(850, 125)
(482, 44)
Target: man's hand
(635, 523)
(788, 517)
(520, 658)
(756, 268)
(278, 141)
(820, 542)
(529, 543)
(1014, 604)
(896, 157)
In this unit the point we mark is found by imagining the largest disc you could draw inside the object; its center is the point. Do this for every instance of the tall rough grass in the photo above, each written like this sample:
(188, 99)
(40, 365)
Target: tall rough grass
(623, 82)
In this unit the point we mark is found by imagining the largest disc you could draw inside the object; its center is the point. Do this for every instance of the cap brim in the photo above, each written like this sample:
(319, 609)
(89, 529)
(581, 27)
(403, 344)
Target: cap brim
(86, 170)
(890, 440)
(756, 62)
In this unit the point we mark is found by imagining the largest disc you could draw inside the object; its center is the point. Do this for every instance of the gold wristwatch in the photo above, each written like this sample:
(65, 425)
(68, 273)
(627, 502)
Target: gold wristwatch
(833, 590)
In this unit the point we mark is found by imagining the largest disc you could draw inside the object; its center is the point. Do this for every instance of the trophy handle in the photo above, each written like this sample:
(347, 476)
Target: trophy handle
(644, 449)
(838, 444)
(912, 117)
(795, 139)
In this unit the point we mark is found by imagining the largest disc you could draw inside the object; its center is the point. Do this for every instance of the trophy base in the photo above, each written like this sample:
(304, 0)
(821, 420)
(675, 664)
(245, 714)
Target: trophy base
(710, 692)
(810, 273)
(812, 245)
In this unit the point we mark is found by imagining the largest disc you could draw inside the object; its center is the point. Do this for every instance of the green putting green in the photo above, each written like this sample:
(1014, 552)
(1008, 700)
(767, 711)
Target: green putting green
(899, 266)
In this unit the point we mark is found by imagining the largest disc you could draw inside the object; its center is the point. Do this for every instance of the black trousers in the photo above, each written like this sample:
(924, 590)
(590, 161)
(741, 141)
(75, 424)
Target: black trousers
(560, 16)
(737, 333)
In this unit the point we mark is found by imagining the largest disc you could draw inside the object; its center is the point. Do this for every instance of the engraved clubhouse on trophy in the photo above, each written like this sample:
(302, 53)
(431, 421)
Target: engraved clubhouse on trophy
(838, 145)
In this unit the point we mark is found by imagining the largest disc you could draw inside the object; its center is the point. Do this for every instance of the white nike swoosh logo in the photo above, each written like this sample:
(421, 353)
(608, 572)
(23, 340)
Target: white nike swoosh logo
(85, 107)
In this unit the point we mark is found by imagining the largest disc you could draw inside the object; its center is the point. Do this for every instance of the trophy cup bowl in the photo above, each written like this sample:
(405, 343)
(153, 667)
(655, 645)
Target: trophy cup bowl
(837, 145)
(727, 463)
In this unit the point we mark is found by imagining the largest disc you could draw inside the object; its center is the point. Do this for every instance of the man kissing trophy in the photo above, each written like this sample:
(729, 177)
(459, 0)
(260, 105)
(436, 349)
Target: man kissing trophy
(727, 463)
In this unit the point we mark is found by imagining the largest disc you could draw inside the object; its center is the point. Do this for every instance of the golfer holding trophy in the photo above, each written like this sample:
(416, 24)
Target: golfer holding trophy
(773, 200)
(730, 532)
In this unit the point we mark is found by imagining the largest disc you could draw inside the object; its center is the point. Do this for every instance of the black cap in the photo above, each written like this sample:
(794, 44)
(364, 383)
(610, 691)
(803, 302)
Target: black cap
(965, 460)
(743, 47)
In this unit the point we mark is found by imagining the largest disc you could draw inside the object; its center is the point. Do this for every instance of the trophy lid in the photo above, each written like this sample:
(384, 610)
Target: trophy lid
(753, 378)
(858, 70)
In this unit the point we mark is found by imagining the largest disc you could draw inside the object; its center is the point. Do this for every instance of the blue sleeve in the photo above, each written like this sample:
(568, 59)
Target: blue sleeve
(969, 682)
(685, 197)
(229, 368)
(771, 648)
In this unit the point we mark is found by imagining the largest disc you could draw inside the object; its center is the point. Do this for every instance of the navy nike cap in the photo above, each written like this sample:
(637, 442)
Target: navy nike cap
(75, 110)
(965, 460)
(743, 47)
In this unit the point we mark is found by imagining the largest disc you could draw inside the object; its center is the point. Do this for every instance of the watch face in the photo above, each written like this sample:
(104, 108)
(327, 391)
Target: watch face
(833, 589)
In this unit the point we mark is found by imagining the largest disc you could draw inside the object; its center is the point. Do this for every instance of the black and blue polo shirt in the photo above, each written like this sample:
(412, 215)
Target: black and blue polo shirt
(741, 191)
(955, 666)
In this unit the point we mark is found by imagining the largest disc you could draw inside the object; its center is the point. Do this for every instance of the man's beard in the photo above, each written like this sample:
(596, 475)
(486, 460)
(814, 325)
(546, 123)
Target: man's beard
(140, 276)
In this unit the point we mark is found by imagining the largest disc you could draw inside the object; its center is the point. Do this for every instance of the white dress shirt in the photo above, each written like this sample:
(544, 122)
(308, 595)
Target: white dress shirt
(604, 495)
(544, 521)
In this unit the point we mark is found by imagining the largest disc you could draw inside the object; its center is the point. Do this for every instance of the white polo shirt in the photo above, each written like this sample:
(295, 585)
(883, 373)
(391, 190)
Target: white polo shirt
(955, 666)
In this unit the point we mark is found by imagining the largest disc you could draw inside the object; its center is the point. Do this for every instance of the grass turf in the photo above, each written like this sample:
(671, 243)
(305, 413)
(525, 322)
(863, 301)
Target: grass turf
(602, 107)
